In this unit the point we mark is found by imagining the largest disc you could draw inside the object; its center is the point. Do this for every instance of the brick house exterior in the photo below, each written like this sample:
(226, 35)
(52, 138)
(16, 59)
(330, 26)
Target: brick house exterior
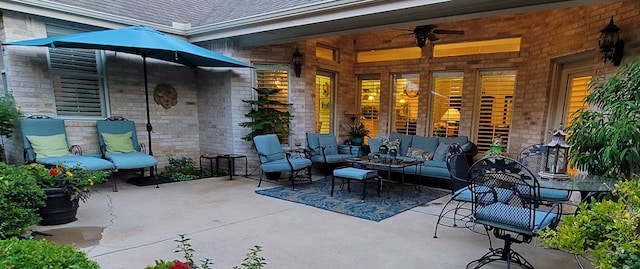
(209, 108)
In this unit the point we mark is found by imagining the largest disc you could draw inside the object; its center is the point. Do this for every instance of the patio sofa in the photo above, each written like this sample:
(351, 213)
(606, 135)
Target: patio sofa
(433, 149)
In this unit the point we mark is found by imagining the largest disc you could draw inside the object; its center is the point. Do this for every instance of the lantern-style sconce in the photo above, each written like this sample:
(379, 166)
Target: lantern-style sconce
(297, 63)
(610, 44)
(556, 157)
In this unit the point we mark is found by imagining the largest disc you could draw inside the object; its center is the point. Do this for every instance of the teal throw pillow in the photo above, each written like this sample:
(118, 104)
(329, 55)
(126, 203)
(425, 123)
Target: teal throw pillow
(49, 146)
(118, 143)
(441, 152)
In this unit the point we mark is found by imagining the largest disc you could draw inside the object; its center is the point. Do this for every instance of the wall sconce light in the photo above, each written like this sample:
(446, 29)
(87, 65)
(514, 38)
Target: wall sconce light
(610, 44)
(556, 157)
(297, 63)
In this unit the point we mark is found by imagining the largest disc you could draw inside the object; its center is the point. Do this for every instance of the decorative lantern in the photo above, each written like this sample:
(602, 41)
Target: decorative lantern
(556, 157)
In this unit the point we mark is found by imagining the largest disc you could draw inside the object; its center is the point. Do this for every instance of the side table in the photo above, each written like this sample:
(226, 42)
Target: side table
(230, 162)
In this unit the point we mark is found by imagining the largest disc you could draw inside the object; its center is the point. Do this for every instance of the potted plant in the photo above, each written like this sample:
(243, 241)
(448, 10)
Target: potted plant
(20, 199)
(20, 253)
(605, 141)
(268, 115)
(64, 188)
(357, 132)
(9, 115)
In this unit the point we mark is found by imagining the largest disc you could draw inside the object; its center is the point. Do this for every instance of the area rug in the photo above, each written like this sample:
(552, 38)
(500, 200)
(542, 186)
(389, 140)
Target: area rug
(392, 199)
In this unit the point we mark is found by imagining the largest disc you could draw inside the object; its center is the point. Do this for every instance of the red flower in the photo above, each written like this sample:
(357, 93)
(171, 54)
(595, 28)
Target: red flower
(54, 172)
(180, 265)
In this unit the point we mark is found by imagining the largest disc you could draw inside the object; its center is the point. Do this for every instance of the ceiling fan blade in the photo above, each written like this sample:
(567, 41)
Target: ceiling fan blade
(449, 32)
(432, 37)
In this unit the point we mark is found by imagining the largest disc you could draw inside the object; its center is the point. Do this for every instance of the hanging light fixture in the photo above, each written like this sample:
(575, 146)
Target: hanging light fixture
(297, 63)
(610, 44)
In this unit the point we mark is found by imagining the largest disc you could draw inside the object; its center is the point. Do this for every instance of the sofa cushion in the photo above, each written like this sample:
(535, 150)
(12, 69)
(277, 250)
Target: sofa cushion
(428, 144)
(419, 154)
(374, 144)
(441, 152)
(450, 140)
(405, 142)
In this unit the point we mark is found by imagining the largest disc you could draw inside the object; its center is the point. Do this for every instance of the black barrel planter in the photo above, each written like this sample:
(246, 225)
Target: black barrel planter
(59, 208)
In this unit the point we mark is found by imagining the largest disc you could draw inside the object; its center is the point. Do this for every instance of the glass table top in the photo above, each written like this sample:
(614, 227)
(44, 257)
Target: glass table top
(580, 182)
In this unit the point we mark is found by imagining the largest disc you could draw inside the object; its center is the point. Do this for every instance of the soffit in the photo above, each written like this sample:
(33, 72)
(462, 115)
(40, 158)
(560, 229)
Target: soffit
(263, 22)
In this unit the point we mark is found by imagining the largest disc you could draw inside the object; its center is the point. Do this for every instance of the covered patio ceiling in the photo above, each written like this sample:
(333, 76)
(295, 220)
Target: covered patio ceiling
(365, 17)
(266, 22)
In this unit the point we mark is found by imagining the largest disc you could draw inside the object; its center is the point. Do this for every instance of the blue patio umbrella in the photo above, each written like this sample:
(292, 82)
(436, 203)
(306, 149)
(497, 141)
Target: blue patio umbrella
(140, 40)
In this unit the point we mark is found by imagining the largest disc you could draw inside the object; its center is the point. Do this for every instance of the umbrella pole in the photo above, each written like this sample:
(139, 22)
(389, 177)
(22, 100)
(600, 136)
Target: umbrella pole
(149, 127)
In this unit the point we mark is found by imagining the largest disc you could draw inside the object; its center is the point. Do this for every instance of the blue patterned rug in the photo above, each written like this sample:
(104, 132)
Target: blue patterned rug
(391, 202)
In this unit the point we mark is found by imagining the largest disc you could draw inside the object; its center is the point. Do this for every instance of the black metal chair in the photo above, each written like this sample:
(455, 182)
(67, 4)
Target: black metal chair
(532, 157)
(517, 220)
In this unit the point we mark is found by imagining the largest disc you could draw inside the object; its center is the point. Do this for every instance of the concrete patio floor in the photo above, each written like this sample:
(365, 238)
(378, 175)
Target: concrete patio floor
(225, 218)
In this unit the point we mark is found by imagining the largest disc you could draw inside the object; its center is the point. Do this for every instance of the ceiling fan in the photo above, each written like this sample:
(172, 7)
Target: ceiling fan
(429, 31)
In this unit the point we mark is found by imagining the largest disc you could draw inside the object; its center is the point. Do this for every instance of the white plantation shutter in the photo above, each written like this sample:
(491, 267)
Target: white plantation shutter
(275, 76)
(496, 106)
(78, 80)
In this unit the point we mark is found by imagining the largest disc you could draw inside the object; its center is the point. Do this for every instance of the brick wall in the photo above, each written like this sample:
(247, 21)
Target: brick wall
(209, 100)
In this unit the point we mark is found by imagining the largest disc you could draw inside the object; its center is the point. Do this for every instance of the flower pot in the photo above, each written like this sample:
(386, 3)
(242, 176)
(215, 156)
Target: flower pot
(357, 141)
(59, 209)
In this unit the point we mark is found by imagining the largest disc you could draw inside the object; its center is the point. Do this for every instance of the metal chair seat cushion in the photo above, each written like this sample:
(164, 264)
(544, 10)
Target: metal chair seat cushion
(514, 218)
(315, 145)
(547, 194)
(355, 173)
(283, 165)
(131, 160)
(86, 162)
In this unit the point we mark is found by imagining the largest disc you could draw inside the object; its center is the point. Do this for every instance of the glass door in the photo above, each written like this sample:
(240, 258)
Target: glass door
(325, 82)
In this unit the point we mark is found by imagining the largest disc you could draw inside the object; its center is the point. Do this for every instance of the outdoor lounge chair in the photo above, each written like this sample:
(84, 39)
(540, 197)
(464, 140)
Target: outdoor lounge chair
(325, 152)
(119, 144)
(274, 159)
(45, 142)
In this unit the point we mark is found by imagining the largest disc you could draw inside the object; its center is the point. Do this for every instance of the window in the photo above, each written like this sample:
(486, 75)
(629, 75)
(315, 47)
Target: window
(406, 88)
(370, 104)
(496, 106)
(477, 47)
(326, 52)
(275, 76)
(79, 82)
(389, 55)
(447, 101)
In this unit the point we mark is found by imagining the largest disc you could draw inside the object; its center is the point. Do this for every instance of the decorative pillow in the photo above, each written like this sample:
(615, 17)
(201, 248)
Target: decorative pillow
(419, 154)
(49, 146)
(441, 152)
(392, 144)
(118, 142)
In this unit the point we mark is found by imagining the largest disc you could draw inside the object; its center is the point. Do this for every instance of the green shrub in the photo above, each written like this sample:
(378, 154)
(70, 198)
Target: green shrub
(38, 254)
(181, 169)
(607, 230)
(20, 199)
(252, 260)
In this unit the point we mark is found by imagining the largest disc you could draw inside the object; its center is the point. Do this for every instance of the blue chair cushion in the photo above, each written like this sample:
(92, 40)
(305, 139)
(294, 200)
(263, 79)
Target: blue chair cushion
(269, 148)
(283, 165)
(355, 173)
(428, 144)
(329, 144)
(501, 195)
(89, 163)
(132, 160)
(513, 218)
(546, 194)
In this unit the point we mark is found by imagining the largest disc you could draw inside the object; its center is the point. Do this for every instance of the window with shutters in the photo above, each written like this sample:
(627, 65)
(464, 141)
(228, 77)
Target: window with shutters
(405, 113)
(496, 106)
(275, 77)
(78, 79)
(370, 103)
(447, 101)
